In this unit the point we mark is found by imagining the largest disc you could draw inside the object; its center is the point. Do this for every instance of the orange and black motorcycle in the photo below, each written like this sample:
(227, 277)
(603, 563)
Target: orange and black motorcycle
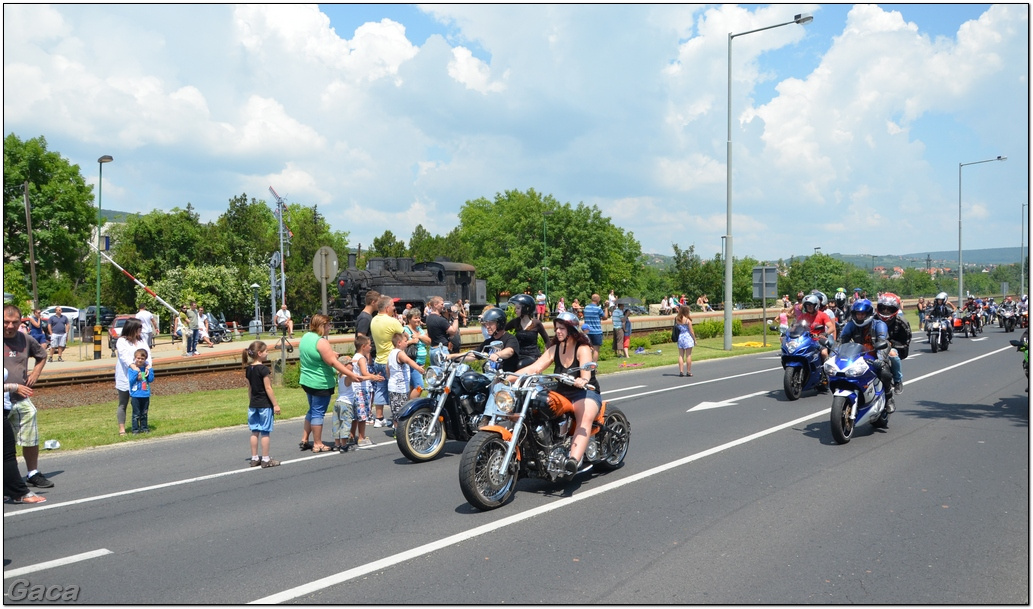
(528, 434)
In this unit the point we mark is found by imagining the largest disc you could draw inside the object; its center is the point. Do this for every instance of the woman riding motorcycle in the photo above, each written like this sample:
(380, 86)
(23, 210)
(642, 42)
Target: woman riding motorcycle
(568, 351)
(899, 331)
(526, 328)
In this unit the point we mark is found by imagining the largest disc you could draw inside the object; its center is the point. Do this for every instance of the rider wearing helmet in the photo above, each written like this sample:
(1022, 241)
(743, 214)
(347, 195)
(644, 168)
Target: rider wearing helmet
(818, 321)
(899, 331)
(568, 351)
(526, 328)
(838, 309)
(973, 308)
(943, 308)
(867, 329)
(494, 320)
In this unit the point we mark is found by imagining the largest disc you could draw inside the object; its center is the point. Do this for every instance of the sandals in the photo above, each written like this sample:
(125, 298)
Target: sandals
(322, 449)
(303, 446)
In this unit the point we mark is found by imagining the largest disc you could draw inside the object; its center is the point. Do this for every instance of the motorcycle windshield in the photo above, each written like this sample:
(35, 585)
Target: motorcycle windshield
(799, 329)
(850, 351)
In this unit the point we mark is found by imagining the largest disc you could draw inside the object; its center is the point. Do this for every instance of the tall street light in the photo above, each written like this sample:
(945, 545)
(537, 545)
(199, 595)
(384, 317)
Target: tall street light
(961, 266)
(545, 253)
(800, 19)
(1022, 250)
(100, 220)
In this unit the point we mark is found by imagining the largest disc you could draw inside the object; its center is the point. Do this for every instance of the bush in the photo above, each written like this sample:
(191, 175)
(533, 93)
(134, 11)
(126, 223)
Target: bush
(659, 337)
(641, 341)
(292, 376)
(711, 328)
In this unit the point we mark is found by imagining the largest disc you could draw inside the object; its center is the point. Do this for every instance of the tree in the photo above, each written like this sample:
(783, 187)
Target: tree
(311, 232)
(585, 252)
(62, 209)
(247, 234)
(389, 246)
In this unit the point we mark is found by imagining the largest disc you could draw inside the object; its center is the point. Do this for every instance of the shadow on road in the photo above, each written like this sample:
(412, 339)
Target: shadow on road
(1013, 407)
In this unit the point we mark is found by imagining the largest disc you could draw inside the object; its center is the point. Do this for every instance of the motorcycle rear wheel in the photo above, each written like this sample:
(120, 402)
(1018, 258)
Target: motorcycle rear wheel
(842, 425)
(420, 438)
(617, 430)
(479, 479)
(792, 383)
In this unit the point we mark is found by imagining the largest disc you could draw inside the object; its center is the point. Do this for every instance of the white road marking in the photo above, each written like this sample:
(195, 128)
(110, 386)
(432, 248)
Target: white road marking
(728, 402)
(609, 391)
(50, 564)
(383, 563)
(723, 378)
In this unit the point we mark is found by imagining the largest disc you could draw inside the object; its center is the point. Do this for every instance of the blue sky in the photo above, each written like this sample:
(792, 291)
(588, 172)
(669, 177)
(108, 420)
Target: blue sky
(847, 132)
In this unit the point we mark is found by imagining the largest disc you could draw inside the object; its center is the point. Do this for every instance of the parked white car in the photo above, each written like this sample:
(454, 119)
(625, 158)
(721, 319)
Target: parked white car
(71, 313)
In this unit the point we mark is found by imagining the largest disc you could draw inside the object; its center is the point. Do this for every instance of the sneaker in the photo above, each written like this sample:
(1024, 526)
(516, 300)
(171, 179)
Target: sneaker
(898, 387)
(343, 448)
(365, 444)
(270, 463)
(254, 462)
(60, 359)
(380, 423)
(39, 481)
(51, 359)
(891, 407)
(30, 498)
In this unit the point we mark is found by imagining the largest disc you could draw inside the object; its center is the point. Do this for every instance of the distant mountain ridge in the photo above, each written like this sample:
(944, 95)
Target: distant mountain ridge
(947, 258)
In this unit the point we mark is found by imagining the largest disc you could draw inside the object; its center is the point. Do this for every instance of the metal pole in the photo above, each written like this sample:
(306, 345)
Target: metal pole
(100, 220)
(32, 254)
(728, 211)
(1022, 250)
(800, 19)
(961, 265)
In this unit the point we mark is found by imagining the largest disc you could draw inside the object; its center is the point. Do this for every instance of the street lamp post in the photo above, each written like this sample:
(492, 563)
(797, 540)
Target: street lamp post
(545, 255)
(1022, 250)
(107, 158)
(800, 19)
(961, 266)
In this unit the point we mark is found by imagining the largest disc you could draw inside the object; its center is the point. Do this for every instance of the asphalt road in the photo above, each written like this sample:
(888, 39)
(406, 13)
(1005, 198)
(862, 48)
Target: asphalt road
(745, 499)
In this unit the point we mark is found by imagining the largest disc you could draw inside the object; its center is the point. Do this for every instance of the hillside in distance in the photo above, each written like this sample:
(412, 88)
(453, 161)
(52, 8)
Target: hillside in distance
(947, 258)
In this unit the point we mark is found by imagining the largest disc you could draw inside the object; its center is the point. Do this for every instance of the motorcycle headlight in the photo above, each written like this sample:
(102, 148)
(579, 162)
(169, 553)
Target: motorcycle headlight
(830, 367)
(794, 344)
(433, 378)
(505, 401)
(856, 367)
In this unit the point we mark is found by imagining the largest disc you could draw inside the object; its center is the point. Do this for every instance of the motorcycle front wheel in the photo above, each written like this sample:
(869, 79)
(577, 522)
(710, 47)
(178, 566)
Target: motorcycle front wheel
(618, 436)
(421, 438)
(934, 343)
(479, 477)
(842, 424)
(217, 339)
(792, 382)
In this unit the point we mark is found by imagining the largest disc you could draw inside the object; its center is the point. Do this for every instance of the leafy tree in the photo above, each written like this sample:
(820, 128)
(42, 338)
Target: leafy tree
(311, 232)
(16, 283)
(246, 235)
(150, 246)
(584, 251)
(218, 288)
(389, 246)
(61, 203)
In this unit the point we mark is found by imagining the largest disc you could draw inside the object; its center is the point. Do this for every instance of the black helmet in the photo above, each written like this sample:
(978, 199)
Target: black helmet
(525, 301)
(570, 320)
(496, 315)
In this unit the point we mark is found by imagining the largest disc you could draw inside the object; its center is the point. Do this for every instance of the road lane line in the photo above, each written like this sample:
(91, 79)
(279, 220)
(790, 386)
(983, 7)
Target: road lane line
(390, 561)
(50, 564)
(717, 380)
(625, 388)
(53, 505)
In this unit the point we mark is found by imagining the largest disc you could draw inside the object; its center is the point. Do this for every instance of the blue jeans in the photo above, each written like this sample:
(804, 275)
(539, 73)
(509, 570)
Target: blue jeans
(317, 406)
(898, 375)
(380, 397)
(192, 339)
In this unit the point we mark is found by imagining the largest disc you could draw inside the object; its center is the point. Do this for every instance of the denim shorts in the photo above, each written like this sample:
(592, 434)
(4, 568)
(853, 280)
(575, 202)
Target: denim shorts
(596, 339)
(260, 420)
(317, 405)
(415, 379)
(380, 396)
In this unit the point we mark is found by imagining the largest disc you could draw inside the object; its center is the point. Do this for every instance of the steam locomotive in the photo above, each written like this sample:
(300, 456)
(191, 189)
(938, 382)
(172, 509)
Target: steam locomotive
(409, 282)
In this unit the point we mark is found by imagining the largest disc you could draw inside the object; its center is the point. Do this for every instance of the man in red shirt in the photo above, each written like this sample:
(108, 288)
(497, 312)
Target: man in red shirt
(818, 322)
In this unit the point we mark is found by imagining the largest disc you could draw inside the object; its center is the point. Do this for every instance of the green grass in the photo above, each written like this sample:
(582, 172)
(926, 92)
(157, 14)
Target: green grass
(94, 424)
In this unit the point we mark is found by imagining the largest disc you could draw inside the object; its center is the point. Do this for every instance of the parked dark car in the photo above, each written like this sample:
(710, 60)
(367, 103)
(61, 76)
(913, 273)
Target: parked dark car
(87, 317)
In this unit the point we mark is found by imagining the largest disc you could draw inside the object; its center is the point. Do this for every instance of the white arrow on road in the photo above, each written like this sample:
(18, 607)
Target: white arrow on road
(728, 402)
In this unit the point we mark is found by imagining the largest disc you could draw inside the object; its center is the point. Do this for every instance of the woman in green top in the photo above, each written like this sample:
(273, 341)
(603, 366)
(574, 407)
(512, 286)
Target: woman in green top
(319, 368)
(416, 335)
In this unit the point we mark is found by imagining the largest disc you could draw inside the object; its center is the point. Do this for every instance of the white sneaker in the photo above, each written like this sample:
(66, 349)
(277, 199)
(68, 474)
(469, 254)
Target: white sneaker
(380, 423)
(365, 444)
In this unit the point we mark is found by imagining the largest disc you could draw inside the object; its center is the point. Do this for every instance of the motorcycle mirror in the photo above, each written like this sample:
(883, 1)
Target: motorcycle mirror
(882, 344)
(590, 366)
(1015, 343)
(495, 344)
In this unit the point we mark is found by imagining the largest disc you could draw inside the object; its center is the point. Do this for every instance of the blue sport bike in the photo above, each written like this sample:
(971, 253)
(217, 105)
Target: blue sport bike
(801, 359)
(858, 394)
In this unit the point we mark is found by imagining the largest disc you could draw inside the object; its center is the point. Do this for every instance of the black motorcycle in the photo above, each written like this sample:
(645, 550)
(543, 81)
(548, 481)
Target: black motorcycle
(938, 331)
(452, 409)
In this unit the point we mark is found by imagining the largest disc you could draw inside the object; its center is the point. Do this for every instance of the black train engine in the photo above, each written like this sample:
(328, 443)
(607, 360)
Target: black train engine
(409, 282)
